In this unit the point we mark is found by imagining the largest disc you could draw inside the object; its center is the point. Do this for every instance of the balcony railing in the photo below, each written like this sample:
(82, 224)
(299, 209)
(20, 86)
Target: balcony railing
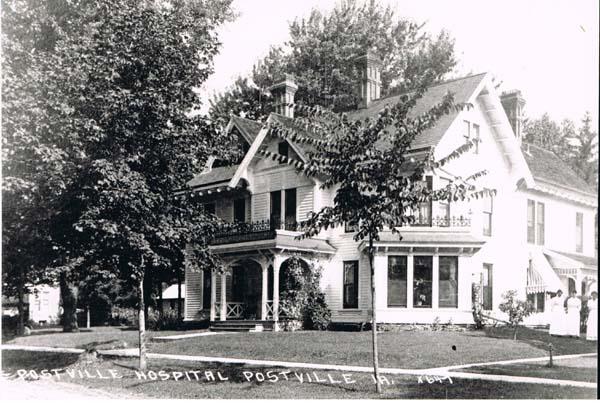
(448, 221)
(254, 231)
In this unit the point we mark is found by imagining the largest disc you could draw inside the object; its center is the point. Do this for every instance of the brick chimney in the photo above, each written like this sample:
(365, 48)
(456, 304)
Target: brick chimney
(513, 103)
(283, 93)
(370, 78)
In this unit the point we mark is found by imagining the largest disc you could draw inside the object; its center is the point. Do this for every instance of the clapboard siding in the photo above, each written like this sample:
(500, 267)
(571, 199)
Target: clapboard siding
(193, 294)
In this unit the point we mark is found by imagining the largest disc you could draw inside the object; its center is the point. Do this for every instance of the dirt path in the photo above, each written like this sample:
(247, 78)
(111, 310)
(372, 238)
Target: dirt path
(45, 389)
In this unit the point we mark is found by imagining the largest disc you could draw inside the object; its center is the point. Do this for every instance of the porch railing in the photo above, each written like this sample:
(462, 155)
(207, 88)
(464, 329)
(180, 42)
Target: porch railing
(244, 232)
(270, 310)
(234, 310)
(440, 221)
(252, 231)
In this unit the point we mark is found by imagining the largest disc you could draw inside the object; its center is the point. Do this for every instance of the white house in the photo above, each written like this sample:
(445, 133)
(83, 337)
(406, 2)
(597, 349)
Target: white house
(428, 275)
(44, 304)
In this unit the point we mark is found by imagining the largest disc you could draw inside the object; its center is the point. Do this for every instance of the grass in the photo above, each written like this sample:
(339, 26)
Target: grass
(402, 349)
(238, 387)
(96, 337)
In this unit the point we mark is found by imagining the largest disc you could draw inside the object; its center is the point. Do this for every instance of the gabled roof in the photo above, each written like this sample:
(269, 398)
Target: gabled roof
(215, 175)
(546, 166)
(249, 128)
(462, 88)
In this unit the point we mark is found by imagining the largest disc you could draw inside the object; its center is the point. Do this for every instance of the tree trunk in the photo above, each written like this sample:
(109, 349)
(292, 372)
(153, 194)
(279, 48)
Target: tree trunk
(178, 296)
(68, 295)
(20, 304)
(515, 333)
(147, 284)
(87, 316)
(142, 326)
(374, 319)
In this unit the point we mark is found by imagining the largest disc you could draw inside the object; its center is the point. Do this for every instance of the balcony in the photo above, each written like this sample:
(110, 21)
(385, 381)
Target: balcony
(253, 231)
(440, 221)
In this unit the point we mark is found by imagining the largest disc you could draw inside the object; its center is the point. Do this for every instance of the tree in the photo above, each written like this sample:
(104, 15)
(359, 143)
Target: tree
(120, 97)
(365, 162)
(35, 150)
(321, 52)
(585, 159)
(516, 309)
(548, 134)
(577, 147)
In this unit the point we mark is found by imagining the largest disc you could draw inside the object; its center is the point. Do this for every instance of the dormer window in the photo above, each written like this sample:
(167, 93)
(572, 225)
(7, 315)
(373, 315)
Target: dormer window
(283, 148)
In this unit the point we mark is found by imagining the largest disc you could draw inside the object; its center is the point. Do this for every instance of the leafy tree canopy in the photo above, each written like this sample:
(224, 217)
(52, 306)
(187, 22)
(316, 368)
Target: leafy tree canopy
(99, 134)
(321, 54)
(576, 146)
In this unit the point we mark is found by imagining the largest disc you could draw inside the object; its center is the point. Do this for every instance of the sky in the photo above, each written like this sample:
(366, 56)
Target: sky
(546, 48)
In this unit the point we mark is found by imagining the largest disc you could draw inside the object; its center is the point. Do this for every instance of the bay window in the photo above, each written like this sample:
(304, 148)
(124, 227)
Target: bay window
(448, 291)
(397, 281)
(422, 279)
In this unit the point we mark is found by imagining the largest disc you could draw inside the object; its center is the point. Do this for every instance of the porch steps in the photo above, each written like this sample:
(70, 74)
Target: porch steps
(238, 325)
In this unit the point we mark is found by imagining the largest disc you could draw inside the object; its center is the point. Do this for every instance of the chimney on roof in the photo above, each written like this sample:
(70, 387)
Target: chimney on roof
(513, 103)
(370, 78)
(283, 92)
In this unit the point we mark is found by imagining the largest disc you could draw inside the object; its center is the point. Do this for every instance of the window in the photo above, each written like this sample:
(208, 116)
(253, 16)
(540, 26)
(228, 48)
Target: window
(579, 232)
(530, 221)
(537, 300)
(290, 209)
(275, 213)
(467, 129)
(239, 210)
(477, 138)
(448, 294)
(397, 281)
(350, 298)
(350, 227)
(209, 208)
(488, 207)
(442, 213)
(540, 223)
(423, 216)
(207, 278)
(487, 279)
(423, 271)
(283, 148)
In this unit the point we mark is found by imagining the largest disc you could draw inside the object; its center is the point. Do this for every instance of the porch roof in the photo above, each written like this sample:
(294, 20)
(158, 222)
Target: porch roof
(564, 260)
(431, 238)
(282, 239)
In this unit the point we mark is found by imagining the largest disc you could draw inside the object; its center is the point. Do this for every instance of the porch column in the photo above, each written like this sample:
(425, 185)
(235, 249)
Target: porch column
(223, 314)
(276, 266)
(213, 295)
(409, 280)
(435, 280)
(265, 289)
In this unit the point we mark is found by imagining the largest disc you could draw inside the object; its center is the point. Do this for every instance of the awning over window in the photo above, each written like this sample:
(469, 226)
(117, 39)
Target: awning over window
(540, 275)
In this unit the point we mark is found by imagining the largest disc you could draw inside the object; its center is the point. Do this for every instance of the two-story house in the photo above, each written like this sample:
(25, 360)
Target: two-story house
(426, 276)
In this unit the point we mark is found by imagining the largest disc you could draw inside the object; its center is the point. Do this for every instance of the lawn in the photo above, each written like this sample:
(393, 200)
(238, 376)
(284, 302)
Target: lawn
(402, 349)
(238, 387)
(96, 337)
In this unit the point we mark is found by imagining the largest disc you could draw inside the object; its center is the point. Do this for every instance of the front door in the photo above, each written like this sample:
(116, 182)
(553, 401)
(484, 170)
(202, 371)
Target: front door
(246, 288)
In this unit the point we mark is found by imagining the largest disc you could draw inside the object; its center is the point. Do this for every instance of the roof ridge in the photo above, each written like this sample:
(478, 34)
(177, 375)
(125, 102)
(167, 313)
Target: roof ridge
(450, 80)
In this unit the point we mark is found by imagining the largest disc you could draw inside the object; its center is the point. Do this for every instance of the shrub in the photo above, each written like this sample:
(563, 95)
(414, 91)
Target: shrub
(477, 307)
(516, 309)
(302, 298)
